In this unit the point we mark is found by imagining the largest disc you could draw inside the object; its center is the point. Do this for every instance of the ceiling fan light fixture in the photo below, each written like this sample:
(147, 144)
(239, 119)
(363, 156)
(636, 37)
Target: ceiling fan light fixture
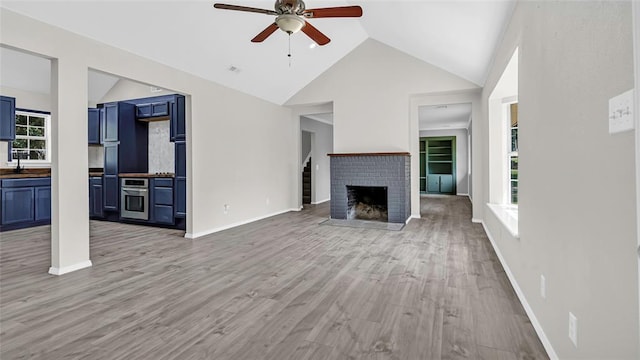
(290, 23)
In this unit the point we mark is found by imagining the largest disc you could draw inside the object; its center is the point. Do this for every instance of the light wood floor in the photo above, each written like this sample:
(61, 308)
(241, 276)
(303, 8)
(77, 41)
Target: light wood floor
(282, 288)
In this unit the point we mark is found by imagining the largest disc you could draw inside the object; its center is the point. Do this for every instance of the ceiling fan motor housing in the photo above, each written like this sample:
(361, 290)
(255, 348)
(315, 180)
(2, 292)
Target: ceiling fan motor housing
(290, 7)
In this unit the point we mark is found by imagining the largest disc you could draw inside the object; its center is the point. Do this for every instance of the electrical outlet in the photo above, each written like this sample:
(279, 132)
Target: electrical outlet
(573, 329)
(543, 287)
(621, 112)
(226, 208)
(268, 201)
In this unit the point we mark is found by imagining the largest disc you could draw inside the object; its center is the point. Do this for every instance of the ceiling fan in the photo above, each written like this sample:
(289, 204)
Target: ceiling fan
(291, 15)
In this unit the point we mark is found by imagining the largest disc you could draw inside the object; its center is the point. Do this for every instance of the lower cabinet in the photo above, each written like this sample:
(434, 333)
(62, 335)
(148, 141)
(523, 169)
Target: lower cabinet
(25, 202)
(96, 203)
(440, 184)
(162, 201)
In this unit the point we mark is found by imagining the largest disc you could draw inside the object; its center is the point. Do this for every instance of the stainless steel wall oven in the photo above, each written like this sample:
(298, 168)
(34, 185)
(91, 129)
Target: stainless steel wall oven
(134, 199)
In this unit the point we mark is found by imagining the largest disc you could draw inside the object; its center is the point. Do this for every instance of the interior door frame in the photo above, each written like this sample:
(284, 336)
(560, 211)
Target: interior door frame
(636, 72)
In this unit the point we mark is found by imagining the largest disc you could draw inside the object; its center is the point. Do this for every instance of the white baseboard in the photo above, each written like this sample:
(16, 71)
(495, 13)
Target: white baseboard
(320, 202)
(463, 194)
(244, 222)
(67, 269)
(477, 221)
(527, 308)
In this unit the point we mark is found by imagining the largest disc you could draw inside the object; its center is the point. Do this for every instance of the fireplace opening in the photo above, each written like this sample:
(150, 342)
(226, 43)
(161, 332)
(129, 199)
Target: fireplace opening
(367, 203)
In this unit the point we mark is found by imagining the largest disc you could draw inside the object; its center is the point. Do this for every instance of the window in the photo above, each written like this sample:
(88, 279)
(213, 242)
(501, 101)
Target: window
(32, 136)
(512, 153)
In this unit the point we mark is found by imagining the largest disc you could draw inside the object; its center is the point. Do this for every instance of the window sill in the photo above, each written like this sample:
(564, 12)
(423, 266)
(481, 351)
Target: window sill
(508, 216)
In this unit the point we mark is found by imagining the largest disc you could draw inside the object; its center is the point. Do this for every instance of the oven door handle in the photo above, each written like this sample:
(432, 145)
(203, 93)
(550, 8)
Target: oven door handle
(129, 190)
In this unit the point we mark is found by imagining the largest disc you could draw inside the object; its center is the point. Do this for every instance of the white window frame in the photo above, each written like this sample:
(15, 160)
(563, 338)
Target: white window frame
(506, 102)
(47, 137)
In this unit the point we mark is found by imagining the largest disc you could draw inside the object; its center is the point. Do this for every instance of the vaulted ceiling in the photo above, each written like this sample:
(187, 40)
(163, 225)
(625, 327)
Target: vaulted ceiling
(457, 36)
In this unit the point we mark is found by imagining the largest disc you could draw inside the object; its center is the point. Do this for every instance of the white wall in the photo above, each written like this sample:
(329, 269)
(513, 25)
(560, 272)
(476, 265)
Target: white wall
(462, 155)
(24, 100)
(252, 176)
(306, 144)
(370, 90)
(576, 205)
(322, 145)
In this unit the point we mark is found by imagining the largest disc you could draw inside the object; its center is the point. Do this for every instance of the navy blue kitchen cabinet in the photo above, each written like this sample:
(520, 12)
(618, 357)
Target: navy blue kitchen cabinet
(25, 202)
(178, 127)
(154, 109)
(181, 179)
(125, 149)
(162, 200)
(96, 205)
(17, 205)
(94, 126)
(111, 184)
(7, 118)
(42, 203)
(110, 124)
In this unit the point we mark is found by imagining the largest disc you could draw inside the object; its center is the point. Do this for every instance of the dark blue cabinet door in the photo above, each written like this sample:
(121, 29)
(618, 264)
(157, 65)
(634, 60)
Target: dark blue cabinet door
(94, 126)
(163, 196)
(181, 158)
(110, 126)
(7, 118)
(17, 205)
(111, 192)
(163, 214)
(155, 109)
(111, 158)
(180, 181)
(160, 109)
(177, 126)
(43, 203)
(143, 110)
(95, 199)
(181, 197)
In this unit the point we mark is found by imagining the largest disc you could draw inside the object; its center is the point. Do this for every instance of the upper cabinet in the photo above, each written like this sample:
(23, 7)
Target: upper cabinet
(7, 118)
(178, 128)
(110, 124)
(94, 126)
(154, 109)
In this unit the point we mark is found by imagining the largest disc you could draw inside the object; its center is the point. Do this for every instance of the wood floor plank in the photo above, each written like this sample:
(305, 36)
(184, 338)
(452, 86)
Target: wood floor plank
(286, 287)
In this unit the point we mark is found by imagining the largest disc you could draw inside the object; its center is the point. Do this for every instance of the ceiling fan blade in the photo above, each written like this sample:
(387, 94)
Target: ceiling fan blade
(343, 11)
(265, 33)
(244, 8)
(315, 34)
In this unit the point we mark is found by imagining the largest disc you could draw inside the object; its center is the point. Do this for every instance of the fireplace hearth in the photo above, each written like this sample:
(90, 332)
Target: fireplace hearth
(371, 186)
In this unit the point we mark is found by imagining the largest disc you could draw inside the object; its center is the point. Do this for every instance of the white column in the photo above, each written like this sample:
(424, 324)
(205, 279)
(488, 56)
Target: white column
(69, 167)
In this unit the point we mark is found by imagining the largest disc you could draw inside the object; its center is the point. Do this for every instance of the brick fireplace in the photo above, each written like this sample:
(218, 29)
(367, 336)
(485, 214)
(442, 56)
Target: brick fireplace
(371, 186)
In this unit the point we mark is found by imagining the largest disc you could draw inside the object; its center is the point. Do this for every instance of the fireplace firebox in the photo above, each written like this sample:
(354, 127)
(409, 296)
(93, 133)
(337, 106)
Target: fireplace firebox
(367, 203)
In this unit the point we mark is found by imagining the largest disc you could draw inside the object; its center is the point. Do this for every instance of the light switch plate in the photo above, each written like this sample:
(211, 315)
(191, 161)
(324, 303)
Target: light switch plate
(621, 113)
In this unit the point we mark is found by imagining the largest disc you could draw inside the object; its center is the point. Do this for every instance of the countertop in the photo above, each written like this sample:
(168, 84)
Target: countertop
(145, 175)
(25, 173)
(38, 173)
(23, 176)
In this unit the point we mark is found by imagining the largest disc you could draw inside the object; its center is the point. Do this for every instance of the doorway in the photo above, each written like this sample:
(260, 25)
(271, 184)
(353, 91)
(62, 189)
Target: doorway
(438, 165)
(306, 167)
